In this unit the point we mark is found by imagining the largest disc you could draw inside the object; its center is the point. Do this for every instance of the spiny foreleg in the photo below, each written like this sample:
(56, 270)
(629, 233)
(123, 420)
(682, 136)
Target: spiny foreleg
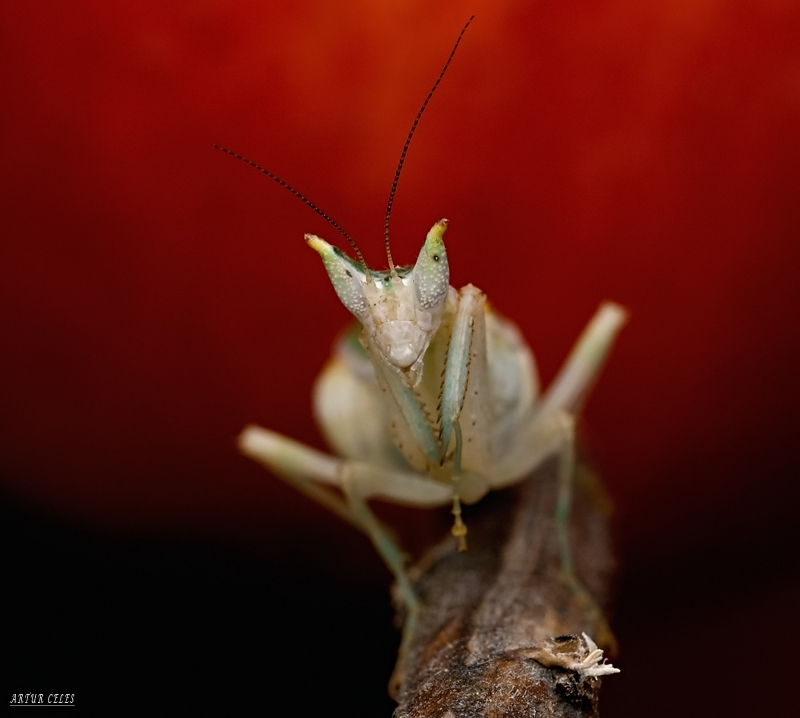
(466, 400)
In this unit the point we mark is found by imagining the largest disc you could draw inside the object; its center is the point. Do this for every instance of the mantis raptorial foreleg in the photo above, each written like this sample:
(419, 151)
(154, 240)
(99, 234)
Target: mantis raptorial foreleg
(459, 364)
(466, 369)
(465, 401)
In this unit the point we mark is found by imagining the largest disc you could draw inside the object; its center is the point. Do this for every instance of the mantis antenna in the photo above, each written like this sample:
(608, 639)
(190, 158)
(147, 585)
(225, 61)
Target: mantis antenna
(408, 142)
(302, 197)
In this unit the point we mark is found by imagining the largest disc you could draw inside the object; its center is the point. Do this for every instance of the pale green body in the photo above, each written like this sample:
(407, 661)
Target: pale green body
(436, 402)
(362, 422)
(439, 400)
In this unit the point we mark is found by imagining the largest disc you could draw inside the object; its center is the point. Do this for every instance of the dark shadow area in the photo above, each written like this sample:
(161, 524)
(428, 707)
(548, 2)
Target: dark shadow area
(136, 624)
(709, 627)
(142, 625)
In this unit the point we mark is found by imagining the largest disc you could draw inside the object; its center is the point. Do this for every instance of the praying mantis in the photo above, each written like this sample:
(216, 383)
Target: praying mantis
(433, 399)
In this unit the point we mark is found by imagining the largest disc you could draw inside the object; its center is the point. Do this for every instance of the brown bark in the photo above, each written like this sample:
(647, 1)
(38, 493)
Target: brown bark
(499, 624)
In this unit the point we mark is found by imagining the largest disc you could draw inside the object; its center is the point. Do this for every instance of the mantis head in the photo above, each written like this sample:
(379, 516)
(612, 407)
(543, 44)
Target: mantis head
(399, 309)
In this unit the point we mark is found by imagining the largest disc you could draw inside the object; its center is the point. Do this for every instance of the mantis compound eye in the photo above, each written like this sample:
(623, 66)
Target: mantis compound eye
(432, 272)
(345, 275)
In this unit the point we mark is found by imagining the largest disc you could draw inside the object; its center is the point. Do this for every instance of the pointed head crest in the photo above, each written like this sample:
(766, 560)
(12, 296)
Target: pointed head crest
(400, 309)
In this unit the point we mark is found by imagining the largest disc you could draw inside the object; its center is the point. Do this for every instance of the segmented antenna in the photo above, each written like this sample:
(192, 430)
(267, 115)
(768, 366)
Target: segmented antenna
(408, 142)
(302, 197)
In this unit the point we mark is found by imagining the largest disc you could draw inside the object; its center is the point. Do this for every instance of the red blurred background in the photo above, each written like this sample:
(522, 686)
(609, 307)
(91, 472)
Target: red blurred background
(157, 296)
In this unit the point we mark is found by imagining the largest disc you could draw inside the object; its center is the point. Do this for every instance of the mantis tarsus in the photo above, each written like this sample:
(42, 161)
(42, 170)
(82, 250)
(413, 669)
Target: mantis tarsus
(436, 401)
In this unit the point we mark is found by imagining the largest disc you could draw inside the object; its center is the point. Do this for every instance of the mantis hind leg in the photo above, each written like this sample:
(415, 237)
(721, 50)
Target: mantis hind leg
(392, 555)
(385, 543)
(321, 477)
(563, 509)
(566, 474)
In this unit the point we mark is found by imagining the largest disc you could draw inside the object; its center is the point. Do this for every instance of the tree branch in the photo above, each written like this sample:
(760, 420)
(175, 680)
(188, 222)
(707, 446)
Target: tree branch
(500, 632)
